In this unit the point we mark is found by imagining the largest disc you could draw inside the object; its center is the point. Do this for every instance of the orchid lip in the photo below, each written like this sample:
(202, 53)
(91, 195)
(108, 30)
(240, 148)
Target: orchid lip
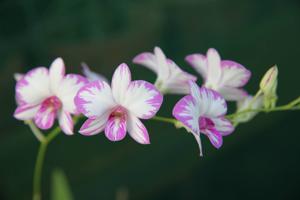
(119, 112)
(206, 123)
(52, 102)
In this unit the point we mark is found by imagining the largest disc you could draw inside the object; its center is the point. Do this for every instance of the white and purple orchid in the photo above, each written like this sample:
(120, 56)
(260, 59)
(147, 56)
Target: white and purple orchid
(43, 95)
(203, 112)
(170, 78)
(119, 108)
(224, 76)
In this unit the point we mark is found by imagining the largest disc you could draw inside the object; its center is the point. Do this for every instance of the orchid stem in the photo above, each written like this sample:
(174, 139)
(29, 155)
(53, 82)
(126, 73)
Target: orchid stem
(38, 169)
(165, 119)
(36, 132)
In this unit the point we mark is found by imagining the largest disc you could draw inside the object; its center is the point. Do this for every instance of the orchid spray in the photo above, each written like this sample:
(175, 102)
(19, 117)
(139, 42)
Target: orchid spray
(44, 95)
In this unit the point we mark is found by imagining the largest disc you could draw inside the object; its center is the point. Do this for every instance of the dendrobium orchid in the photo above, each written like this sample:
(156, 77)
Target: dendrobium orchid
(248, 103)
(43, 95)
(170, 78)
(203, 112)
(117, 109)
(224, 76)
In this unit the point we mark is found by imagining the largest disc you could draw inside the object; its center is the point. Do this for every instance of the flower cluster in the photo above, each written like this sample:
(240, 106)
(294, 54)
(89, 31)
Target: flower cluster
(44, 95)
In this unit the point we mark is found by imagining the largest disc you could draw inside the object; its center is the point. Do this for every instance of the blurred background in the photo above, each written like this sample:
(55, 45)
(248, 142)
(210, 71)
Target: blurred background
(260, 160)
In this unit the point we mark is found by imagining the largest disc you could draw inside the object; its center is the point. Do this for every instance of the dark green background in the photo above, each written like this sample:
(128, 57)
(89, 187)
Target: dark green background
(260, 160)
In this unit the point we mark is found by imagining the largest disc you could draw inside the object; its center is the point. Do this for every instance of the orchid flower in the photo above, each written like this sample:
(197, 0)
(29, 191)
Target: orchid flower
(43, 95)
(245, 104)
(91, 75)
(224, 76)
(117, 109)
(203, 112)
(170, 78)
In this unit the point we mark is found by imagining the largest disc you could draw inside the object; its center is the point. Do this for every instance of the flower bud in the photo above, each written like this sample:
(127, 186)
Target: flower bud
(268, 86)
(269, 80)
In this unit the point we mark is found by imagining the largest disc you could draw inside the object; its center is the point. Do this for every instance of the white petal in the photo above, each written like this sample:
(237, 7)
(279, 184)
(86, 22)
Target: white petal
(137, 130)
(148, 60)
(233, 94)
(94, 99)
(66, 122)
(163, 69)
(26, 112)
(56, 73)
(214, 70)
(33, 88)
(199, 63)
(211, 103)
(142, 99)
(234, 74)
(94, 126)
(177, 82)
(120, 82)
(68, 89)
(92, 76)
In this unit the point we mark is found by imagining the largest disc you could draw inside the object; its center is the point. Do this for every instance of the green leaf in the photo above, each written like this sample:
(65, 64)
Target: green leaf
(60, 186)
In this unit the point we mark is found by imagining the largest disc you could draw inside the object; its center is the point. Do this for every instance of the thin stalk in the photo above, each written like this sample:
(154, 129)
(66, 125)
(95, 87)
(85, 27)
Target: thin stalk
(36, 132)
(165, 119)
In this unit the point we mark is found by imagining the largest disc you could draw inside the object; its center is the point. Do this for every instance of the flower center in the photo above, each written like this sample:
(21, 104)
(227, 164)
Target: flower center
(52, 103)
(206, 123)
(119, 112)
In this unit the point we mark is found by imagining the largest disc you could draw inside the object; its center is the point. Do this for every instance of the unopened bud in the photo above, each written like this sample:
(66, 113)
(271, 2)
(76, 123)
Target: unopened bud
(268, 86)
(269, 81)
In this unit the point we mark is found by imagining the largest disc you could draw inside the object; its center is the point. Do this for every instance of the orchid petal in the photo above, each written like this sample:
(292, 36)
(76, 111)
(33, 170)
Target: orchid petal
(68, 89)
(56, 73)
(199, 63)
(198, 139)
(120, 82)
(142, 99)
(94, 99)
(66, 122)
(148, 60)
(90, 75)
(214, 70)
(44, 118)
(33, 88)
(223, 126)
(187, 111)
(215, 138)
(115, 129)
(94, 126)
(163, 70)
(177, 82)
(233, 94)
(137, 130)
(234, 74)
(26, 112)
(211, 103)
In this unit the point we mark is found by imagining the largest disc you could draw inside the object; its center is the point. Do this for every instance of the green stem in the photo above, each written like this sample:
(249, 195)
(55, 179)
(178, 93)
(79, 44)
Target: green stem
(165, 119)
(37, 177)
(36, 132)
(275, 109)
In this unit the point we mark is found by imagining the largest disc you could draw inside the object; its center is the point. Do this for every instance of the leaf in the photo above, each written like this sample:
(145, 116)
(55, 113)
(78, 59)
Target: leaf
(60, 186)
